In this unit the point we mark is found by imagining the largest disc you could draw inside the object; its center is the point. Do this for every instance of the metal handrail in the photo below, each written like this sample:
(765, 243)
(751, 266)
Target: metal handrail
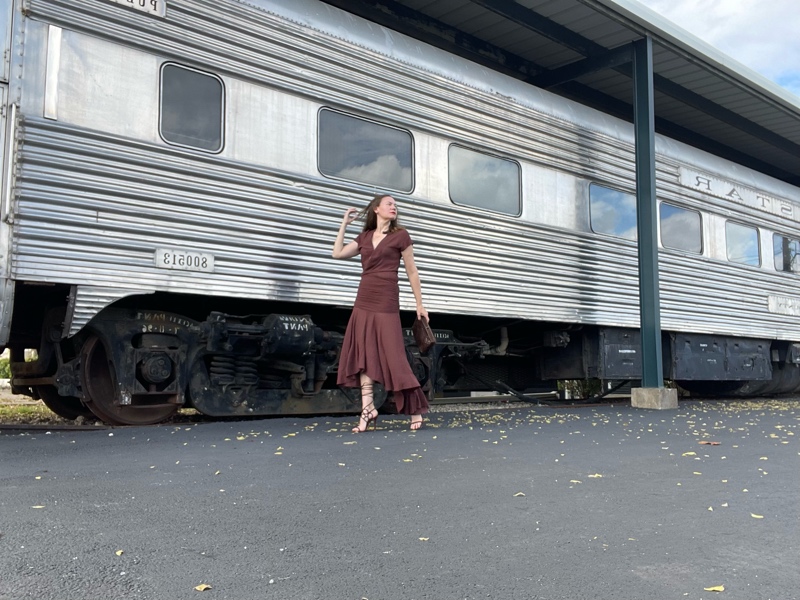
(11, 136)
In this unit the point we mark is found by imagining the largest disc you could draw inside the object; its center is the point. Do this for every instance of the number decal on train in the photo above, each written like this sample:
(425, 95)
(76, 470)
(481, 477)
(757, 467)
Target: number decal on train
(183, 260)
(153, 7)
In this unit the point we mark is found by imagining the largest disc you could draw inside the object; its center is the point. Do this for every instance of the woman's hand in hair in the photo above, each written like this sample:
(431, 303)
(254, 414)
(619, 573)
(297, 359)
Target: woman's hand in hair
(350, 215)
(340, 250)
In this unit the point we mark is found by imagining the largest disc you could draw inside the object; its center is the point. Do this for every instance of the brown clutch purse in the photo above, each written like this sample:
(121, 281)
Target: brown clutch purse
(423, 335)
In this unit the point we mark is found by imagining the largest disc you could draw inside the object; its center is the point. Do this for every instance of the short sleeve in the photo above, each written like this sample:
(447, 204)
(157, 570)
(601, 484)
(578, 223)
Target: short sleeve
(403, 240)
(360, 240)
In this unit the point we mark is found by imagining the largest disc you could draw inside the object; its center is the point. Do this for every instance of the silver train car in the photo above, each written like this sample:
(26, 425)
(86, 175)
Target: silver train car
(174, 173)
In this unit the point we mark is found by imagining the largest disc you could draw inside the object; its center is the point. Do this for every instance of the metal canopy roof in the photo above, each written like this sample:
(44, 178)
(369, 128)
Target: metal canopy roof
(581, 49)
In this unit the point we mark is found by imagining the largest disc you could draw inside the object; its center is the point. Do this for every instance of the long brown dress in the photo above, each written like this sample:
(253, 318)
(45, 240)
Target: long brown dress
(373, 342)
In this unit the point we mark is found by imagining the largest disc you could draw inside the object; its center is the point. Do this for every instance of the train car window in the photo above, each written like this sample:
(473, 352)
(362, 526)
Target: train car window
(484, 181)
(364, 151)
(612, 212)
(681, 228)
(786, 252)
(192, 108)
(741, 243)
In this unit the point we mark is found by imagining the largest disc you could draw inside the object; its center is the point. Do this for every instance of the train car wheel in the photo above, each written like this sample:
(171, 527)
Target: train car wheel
(100, 389)
(66, 407)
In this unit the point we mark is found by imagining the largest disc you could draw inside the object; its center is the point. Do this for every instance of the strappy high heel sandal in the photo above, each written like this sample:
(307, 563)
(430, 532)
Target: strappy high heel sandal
(367, 418)
(416, 425)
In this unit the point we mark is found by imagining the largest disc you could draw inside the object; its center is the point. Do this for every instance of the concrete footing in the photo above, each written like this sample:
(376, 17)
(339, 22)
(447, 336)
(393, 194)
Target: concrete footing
(655, 398)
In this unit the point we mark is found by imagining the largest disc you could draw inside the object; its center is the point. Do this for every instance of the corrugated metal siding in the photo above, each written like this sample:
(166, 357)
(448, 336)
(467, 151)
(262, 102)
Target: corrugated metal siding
(100, 224)
(92, 208)
(678, 56)
(89, 300)
(257, 46)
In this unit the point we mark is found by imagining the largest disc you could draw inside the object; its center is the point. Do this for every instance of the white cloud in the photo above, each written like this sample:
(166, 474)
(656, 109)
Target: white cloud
(761, 34)
(384, 170)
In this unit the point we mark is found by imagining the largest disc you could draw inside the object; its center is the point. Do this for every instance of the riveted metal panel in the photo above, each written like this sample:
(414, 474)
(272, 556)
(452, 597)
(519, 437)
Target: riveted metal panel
(699, 357)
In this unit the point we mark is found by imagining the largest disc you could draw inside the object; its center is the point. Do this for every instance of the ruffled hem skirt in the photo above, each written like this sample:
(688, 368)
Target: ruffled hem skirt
(373, 344)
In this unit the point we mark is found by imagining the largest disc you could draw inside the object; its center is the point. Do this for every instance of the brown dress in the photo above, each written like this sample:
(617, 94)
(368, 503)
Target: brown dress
(373, 343)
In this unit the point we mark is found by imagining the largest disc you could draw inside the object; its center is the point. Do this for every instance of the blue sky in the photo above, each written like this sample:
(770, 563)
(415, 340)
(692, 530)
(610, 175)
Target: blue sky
(762, 34)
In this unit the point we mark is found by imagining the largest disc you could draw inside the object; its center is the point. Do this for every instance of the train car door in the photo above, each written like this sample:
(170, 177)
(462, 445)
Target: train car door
(6, 153)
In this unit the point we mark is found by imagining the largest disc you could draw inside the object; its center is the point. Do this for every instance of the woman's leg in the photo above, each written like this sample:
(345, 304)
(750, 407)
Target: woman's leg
(412, 402)
(368, 412)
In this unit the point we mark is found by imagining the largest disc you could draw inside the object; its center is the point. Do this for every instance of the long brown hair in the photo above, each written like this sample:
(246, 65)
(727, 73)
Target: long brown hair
(371, 219)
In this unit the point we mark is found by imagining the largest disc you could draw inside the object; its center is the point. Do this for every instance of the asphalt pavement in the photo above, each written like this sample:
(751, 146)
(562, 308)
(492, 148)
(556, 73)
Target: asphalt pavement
(602, 502)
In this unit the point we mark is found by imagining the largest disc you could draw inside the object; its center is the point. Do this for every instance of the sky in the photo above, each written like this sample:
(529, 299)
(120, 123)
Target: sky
(762, 34)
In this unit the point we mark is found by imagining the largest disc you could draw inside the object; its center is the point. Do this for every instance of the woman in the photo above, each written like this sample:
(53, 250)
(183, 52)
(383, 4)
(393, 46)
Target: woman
(373, 349)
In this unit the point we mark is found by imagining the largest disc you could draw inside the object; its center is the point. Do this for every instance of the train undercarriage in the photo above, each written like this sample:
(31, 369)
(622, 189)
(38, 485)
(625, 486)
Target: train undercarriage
(138, 365)
(134, 366)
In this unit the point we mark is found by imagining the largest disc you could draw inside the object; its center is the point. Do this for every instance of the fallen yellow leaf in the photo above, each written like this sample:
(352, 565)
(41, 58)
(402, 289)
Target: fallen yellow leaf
(595, 476)
(119, 552)
(518, 494)
(349, 443)
(424, 539)
(38, 506)
(575, 481)
(217, 473)
(689, 454)
(755, 516)
(202, 587)
(407, 460)
(715, 588)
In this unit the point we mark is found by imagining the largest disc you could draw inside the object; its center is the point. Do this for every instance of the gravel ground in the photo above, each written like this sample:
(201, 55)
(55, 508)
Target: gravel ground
(25, 411)
(17, 409)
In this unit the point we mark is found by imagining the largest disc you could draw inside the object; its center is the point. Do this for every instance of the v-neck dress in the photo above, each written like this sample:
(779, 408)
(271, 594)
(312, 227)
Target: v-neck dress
(373, 342)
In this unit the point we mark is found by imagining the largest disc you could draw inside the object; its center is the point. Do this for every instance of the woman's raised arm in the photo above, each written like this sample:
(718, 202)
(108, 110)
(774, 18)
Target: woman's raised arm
(339, 248)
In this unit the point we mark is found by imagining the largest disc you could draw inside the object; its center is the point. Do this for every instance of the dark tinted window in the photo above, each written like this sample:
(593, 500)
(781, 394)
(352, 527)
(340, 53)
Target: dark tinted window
(365, 151)
(612, 212)
(785, 251)
(191, 108)
(681, 228)
(484, 181)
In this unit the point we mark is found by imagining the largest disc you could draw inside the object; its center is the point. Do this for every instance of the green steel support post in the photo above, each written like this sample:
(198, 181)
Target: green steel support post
(647, 213)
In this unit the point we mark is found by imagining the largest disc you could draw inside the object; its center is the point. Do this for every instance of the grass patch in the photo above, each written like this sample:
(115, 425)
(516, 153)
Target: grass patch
(33, 412)
(28, 414)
